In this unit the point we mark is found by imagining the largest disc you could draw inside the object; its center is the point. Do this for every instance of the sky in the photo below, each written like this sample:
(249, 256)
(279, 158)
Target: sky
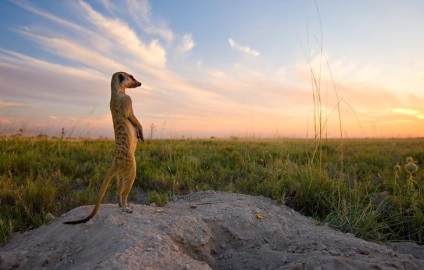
(240, 68)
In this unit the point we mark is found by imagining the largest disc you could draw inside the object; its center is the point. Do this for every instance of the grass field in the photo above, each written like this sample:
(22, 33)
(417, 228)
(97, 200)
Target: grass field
(355, 186)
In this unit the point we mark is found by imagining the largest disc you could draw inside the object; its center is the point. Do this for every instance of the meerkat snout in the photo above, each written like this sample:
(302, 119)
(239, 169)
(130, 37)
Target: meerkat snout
(137, 83)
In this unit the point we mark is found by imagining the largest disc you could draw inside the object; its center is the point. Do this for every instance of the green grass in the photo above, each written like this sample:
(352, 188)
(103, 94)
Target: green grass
(357, 192)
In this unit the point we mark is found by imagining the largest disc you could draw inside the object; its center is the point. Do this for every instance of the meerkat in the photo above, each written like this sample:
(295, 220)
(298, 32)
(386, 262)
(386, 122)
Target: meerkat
(127, 130)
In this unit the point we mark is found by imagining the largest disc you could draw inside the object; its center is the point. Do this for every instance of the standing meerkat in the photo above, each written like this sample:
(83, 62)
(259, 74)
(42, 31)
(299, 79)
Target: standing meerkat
(127, 130)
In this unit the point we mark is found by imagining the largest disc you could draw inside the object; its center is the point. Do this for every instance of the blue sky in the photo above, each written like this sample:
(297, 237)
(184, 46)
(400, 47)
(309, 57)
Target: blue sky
(215, 68)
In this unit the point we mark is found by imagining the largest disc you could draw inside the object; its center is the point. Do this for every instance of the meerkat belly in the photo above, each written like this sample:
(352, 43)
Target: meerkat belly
(125, 140)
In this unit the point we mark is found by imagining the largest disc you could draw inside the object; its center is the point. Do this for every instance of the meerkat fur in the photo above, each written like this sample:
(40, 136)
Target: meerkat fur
(127, 130)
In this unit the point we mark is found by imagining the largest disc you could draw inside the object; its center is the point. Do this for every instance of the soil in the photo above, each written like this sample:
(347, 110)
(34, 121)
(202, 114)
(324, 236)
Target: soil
(206, 230)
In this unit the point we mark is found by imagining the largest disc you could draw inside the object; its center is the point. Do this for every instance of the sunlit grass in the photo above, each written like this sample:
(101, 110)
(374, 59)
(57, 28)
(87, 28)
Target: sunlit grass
(367, 195)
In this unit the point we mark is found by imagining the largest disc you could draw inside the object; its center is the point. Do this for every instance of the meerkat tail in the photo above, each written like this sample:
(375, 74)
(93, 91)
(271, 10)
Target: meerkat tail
(84, 220)
(103, 189)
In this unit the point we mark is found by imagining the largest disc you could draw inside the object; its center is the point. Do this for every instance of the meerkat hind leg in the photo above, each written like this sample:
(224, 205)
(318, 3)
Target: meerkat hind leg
(127, 184)
(119, 190)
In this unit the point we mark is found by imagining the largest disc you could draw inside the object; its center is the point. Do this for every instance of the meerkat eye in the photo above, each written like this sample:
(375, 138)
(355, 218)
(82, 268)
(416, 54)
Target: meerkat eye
(132, 78)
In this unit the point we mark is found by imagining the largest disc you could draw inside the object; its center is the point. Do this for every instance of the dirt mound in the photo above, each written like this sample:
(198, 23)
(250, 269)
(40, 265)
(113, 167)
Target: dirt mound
(207, 230)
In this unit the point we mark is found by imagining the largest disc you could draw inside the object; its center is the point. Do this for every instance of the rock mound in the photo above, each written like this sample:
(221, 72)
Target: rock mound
(207, 230)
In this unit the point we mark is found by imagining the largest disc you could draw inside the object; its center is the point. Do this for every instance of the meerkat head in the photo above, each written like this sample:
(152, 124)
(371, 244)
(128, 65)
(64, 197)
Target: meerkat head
(124, 80)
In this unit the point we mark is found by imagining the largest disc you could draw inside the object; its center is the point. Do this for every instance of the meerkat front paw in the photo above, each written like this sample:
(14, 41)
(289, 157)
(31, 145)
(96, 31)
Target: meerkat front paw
(127, 210)
(140, 135)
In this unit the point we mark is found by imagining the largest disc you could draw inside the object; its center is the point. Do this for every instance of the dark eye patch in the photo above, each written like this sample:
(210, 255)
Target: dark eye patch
(132, 78)
(120, 78)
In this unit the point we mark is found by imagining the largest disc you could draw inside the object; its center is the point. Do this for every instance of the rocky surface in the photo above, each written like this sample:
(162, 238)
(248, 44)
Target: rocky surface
(207, 230)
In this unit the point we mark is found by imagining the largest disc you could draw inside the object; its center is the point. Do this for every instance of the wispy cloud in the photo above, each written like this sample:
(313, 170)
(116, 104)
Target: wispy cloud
(41, 81)
(140, 11)
(187, 43)
(75, 51)
(126, 38)
(407, 111)
(10, 104)
(246, 50)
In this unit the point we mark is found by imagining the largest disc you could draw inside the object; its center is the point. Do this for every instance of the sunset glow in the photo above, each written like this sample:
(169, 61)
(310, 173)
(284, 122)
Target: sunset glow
(215, 68)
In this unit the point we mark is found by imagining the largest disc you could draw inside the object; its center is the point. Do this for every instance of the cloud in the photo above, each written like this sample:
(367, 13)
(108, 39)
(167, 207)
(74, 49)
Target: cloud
(72, 50)
(325, 68)
(407, 111)
(41, 82)
(52, 17)
(140, 11)
(9, 104)
(244, 49)
(115, 29)
(96, 35)
(98, 42)
(187, 43)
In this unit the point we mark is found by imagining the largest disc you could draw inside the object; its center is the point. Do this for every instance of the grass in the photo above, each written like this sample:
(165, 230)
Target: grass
(359, 192)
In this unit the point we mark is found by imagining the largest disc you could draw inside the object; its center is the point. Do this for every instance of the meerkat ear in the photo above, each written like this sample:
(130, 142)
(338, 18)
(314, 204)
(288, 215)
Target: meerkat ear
(120, 78)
